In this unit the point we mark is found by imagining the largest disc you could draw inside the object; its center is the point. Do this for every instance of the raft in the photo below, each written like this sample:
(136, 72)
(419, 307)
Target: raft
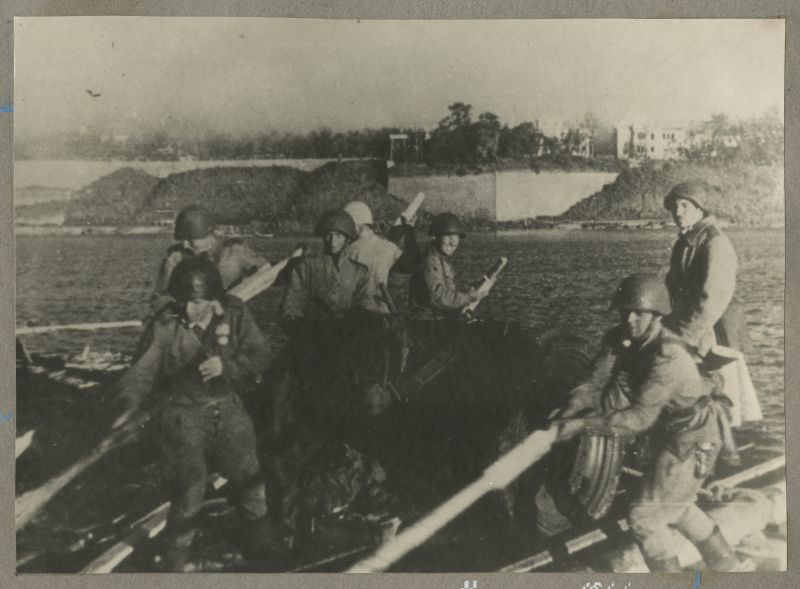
(451, 399)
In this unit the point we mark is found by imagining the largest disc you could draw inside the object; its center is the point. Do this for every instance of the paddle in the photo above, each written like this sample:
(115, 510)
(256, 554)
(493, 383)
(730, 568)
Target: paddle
(28, 504)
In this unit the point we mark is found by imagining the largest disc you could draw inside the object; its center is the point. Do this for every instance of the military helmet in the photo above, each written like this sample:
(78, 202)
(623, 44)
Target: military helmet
(446, 224)
(193, 222)
(336, 220)
(359, 211)
(693, 190)
(642, 292)
(196, 278)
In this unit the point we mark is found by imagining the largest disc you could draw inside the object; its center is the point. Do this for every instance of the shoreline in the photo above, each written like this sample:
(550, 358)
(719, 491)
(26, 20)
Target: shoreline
(527, 226)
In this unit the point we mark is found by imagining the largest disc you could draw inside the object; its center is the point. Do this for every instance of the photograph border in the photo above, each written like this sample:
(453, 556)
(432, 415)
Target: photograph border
(397, 9)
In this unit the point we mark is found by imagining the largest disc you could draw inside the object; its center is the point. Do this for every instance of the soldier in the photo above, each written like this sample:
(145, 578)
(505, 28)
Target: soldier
(433, 290)
(194, 232)
(324, 287)
(380, 256)
(202, 349)
(702, 275)
(646, 380)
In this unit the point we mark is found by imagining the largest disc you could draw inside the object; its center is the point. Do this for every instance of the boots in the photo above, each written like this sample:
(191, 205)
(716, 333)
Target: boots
(719, 556)
(669, 564)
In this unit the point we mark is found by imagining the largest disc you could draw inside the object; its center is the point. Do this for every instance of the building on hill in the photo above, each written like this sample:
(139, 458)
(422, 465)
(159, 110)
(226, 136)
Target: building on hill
(647, 141)
(564, 138)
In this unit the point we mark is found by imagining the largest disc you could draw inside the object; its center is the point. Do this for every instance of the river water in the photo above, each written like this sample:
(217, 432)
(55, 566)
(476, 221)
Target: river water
(554, 279)
(558, 279)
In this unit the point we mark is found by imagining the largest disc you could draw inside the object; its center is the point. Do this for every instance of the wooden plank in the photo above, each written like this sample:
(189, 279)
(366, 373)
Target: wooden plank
(147, 527)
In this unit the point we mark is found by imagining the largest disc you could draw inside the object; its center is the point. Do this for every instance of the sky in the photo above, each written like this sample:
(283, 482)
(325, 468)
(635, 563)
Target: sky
(254, 74)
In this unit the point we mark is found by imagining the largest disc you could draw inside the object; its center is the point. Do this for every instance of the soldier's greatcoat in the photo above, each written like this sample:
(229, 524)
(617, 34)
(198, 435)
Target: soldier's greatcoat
(702, 287)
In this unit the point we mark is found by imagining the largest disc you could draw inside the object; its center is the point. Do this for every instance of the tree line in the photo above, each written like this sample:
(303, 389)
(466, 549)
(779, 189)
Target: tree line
(458, 138)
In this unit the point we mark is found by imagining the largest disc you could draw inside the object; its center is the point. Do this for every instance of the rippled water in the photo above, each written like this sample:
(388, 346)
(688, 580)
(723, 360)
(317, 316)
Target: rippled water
(555, 279)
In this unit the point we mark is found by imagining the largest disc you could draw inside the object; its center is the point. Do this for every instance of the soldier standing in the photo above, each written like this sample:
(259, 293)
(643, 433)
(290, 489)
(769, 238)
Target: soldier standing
(433, 290)
(195, 234)
(200, 352)
(646, 380)
(702, 274)
(380, 256)
(702, 288)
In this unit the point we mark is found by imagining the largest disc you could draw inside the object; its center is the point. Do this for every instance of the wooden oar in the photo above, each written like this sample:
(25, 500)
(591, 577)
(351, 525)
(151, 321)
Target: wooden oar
(149, 526)
(411, 209)
(22, 443)
(28, 504)
(245, 290)
(497, 476)
(492, 274)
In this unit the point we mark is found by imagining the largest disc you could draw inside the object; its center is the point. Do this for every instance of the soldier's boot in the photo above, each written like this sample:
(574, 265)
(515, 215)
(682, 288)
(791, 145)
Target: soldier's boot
(719, 556)
(176, 542)
(669, 564)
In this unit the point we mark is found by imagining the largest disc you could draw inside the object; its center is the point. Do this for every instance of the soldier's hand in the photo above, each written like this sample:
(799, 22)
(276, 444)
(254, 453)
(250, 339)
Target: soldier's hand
(568, 428)
(211, 368)
(483, 289)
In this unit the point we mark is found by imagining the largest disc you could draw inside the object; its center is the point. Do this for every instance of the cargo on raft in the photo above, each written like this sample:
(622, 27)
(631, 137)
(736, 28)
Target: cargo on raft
(366, 424)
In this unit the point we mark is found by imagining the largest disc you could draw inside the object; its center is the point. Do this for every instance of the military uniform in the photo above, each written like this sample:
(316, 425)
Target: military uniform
(433, 290)
(379, 256)
(234, 259)
(202, 425)
(654, 387)
(324, 287)
(702, 287)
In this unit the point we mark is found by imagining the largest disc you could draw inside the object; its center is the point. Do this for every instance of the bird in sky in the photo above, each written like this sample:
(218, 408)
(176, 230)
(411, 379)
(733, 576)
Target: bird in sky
(93, 94)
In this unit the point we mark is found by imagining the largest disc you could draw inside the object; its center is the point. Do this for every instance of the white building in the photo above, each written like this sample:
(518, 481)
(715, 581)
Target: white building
(648, 141)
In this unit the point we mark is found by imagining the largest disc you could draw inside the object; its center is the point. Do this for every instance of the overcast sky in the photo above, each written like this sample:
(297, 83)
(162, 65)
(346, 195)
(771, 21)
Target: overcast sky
(240, 74)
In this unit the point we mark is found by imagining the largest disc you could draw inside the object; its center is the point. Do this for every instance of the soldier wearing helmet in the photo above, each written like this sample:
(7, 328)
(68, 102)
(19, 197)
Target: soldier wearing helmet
(195, 237)
(380, 256)
(202, 349)
(325, 286)
(645, 379)
(433, 289)
(702, 274)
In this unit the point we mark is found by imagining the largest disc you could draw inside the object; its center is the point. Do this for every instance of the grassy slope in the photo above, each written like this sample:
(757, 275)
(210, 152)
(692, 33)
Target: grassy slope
(745, 193)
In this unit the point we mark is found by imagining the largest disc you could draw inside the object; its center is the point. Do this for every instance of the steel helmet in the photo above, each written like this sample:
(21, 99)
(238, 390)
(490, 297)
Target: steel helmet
(642, 292)
(196, 278)
(694, 191)
(193, 222)
(359, 211)
(446, 224)
(336, 220)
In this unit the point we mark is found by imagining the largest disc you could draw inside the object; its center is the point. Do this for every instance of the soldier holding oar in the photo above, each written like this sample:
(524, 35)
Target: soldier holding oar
(645, 379)
(433, 290)
(27, 505)
(195, 234)
(203, 349)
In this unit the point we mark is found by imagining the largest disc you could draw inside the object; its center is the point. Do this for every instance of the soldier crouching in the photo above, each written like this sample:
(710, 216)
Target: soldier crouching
(202, 349)
(645, 379)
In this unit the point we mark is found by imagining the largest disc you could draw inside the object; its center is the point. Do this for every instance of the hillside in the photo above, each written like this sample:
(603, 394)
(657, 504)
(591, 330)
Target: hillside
(114, 199)
(274, 198)
(744, 193)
